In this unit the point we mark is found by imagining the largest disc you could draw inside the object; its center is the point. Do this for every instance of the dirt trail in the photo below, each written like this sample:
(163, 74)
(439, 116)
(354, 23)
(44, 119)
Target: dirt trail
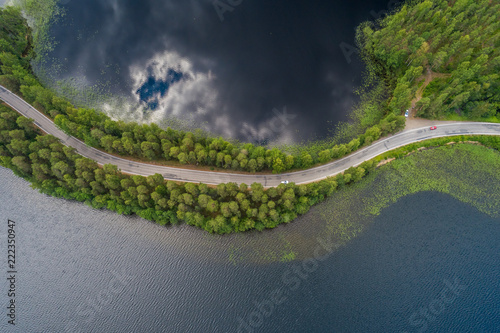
(412, 121)
(428, 76)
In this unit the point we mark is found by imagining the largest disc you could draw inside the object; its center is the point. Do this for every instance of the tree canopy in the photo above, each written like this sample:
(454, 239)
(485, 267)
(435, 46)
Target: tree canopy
(457, 43)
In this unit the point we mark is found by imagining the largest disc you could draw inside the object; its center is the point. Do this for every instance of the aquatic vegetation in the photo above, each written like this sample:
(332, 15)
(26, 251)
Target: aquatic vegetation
(468, 172)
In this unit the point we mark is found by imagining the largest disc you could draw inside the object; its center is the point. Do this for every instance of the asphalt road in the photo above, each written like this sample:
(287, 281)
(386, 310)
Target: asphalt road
(210, 177)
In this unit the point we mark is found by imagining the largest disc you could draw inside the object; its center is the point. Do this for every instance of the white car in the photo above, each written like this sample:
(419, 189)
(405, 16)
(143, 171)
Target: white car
(407, 113)
(284, 182)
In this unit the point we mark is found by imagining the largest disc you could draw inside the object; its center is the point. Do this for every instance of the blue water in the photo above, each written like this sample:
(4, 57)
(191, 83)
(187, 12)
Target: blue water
(82, 270)
(154, 88)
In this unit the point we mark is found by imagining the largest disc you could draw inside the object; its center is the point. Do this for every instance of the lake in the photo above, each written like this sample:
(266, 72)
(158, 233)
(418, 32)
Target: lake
(426, 263)
(282, 71)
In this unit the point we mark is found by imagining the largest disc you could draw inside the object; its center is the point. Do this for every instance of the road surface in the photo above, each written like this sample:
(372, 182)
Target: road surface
(210, 177)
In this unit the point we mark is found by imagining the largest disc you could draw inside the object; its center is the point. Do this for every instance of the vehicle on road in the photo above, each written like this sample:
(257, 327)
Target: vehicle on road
(433, 128)
(407, 114)
(284, 182)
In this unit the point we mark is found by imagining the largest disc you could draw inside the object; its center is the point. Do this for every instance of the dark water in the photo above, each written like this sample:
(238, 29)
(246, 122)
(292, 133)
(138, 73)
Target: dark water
(264, 55)
(81, 270)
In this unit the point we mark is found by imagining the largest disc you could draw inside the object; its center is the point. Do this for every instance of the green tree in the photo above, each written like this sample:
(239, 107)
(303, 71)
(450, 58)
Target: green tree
(278, 166)
(21, 163)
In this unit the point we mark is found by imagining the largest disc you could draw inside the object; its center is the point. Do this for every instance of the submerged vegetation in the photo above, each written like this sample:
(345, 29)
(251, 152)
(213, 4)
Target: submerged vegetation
(466, 171)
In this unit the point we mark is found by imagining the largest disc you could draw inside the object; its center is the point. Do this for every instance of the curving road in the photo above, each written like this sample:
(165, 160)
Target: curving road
(210, 177)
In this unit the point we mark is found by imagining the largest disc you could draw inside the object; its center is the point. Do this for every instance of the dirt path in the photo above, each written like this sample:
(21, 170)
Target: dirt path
(428, 77)
(412, 121)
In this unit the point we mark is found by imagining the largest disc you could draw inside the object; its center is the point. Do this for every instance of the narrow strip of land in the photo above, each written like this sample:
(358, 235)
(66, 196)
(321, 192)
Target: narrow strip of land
(209, 177)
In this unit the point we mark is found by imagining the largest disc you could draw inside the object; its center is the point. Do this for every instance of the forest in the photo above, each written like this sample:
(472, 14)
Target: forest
(454, 45)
